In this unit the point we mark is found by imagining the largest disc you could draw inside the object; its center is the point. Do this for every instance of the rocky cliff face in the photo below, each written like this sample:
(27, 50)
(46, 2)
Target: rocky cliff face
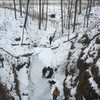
(13, 70)
(83, 69)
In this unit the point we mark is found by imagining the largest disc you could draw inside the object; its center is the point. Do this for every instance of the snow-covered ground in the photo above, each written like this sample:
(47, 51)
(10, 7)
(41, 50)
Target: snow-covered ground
(43, 54)
(41, 86)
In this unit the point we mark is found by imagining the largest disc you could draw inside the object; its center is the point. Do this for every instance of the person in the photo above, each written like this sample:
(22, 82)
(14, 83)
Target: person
(50, 72)
(52, 82)
(50, 39)
(56, 93)
(44, 70)
(52, 15)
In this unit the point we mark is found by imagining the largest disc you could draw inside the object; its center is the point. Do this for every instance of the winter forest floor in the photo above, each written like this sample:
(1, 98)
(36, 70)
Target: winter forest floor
(21, 65)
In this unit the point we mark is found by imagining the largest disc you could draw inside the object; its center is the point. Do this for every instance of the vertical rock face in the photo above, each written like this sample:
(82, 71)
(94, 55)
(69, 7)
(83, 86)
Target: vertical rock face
(13, 72)
(83, 72)
(4, 93)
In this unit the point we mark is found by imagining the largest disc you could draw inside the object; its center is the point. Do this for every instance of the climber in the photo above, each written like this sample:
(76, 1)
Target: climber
(50, 39)
(50, 72)
(56, 93)
(44, 70)
(51, 82)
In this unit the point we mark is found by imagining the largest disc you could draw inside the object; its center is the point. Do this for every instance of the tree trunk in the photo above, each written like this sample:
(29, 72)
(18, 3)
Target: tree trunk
(62, 16)
(20, 4)
(88, 15)
(46, 14)
(86, 12)
(39, 14)
(43, 2)
(94, 2)
(80, 7)
(69, 12)
(15, 9)
(75, 15)
(26, 13)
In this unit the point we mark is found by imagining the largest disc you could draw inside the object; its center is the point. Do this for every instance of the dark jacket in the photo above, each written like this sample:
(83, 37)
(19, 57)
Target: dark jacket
(50, 72)
(44, 70)
(52, 82)
(51, 39)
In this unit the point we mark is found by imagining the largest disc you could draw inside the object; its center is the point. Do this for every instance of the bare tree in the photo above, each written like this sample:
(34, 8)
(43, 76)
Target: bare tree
(65, 6)
(70, 2)
(39, 14)
(94, 1)
(86, 12)
(20, 4)
(15, 8)
(33, 14)
(26, 13)
(80, 4)
(69, 12)
(75, 15)
(46, 14)
(62, 16)
(43, 2)
(88, 15)
(25, 20)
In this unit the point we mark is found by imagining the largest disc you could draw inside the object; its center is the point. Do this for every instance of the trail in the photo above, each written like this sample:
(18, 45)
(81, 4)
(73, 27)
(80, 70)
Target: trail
(41, 90)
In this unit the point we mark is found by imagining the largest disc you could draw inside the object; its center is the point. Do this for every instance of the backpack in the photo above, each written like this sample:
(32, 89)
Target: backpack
(56, 92)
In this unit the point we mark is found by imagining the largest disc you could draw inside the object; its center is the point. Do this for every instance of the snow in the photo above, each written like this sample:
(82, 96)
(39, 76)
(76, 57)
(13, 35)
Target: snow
(53, 58)
(89, 60)
(42, 87)
(68, 81)
(46, 57)
(98, 65)
(22, 75)
(73, 92)
(30, 80)
(94, 85)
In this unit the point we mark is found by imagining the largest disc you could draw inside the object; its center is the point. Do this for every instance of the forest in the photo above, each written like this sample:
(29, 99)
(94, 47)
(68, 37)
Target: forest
(48, 46)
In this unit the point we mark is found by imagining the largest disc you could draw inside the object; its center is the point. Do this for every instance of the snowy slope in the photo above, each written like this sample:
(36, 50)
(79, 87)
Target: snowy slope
(82, 75)
(21, 69)
(10, 43)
